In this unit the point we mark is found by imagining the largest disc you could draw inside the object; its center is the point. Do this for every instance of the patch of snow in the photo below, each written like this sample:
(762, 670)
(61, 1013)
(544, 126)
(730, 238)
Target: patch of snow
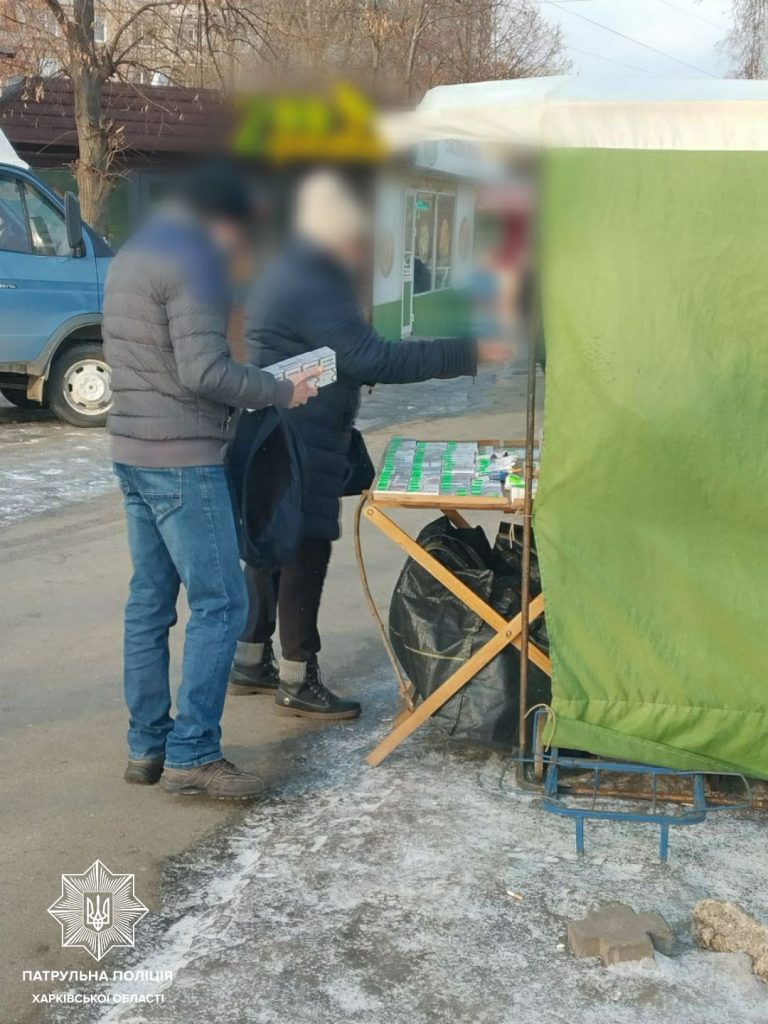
(383, 895)
(41, 469)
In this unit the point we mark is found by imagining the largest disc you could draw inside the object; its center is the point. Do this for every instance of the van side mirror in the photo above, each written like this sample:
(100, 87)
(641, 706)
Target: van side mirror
(74, 223)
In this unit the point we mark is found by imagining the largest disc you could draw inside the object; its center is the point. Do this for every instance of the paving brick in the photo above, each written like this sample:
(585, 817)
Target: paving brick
(615, 932)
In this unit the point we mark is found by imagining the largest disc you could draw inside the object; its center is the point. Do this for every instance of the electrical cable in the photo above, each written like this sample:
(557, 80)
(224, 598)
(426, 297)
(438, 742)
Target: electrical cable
(693, 14)
(623, 35)
(632, 67)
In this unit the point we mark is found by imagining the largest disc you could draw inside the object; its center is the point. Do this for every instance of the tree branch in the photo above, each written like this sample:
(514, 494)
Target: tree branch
(58, 13)
(137, 14)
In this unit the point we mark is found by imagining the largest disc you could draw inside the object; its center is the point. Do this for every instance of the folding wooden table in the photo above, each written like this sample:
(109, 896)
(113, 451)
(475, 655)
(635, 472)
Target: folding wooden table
(374, 504)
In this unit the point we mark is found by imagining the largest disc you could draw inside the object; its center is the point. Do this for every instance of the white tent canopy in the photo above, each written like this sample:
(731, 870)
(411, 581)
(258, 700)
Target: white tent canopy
(8, 153)
(604, 113)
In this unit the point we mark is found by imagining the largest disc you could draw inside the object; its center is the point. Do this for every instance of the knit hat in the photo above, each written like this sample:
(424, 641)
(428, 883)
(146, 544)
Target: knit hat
(328, 212)
(217, 189)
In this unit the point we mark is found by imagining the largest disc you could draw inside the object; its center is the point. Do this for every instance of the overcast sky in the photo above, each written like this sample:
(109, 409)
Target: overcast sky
(684, 29)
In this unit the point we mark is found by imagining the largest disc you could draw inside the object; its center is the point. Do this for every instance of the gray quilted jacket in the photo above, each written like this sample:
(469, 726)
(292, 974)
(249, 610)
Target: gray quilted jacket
(166, 307)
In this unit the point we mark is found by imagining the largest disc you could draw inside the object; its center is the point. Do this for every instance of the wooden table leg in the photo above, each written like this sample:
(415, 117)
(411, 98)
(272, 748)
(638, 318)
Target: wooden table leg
(406, 724)
(507, 632)
(455, 517)
(455, 585)
(423, 711)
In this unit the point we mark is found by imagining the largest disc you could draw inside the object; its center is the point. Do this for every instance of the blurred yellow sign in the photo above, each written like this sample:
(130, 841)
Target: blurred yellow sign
(337, 126)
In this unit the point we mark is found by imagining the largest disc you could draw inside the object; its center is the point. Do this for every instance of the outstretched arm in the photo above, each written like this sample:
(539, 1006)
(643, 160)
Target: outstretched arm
(364, 357)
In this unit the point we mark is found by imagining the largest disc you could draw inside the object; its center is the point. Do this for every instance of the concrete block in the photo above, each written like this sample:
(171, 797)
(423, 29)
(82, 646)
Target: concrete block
(728, 928)
(615, 932)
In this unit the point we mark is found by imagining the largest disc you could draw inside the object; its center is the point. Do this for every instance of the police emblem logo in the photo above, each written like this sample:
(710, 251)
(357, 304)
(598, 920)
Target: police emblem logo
(97, 910)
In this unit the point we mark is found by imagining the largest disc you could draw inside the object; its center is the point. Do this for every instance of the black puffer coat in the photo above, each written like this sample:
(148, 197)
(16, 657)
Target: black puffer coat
(303, 300)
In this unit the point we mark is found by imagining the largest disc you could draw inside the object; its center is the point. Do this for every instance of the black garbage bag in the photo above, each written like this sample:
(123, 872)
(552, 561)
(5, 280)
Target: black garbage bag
(508, 552)
(434, 633)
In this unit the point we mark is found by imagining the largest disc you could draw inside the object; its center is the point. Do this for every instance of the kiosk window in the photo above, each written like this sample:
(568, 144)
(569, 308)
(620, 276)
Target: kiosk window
(446, 212)
(433, 241)
(423, 263)
(13, 224)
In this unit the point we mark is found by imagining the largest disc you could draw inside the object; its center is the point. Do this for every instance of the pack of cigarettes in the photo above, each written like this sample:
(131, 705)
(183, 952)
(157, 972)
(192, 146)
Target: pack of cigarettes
(324, 357)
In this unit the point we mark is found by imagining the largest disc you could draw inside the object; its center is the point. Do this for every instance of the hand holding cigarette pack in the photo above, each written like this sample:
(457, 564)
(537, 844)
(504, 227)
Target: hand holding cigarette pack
(324, 357)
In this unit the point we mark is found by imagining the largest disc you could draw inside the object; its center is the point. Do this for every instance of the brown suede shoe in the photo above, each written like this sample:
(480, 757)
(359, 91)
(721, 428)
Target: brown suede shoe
(219, 780)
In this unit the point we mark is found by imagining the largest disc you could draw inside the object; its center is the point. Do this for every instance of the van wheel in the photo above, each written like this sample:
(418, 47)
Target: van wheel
(18, 397)
(80, 385)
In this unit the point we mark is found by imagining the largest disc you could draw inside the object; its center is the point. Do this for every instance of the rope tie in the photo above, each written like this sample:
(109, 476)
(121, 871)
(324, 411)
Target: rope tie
(551, 716)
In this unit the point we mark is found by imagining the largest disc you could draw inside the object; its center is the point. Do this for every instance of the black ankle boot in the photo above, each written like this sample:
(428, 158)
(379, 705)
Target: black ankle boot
(310, 698)
(259, 678)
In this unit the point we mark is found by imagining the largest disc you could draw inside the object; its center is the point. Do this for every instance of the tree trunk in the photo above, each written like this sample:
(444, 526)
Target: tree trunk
(94, 182)
(410, 62)
(87, 76)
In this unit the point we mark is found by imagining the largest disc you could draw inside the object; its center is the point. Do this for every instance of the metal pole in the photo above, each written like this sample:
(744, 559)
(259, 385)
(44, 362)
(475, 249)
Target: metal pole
(525, 590)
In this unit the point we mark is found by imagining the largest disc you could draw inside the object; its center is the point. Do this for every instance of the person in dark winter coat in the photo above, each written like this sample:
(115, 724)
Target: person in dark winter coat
(305, 300)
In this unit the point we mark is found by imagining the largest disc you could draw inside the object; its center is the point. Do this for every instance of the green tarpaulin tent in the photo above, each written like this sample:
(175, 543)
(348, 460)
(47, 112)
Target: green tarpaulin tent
(652, 507)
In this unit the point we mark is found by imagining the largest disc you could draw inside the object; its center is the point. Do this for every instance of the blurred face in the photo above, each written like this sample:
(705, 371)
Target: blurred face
(229, 236)
(351, 253)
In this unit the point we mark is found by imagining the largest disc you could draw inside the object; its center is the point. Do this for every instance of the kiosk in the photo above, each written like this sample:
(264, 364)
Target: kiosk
(650, 512)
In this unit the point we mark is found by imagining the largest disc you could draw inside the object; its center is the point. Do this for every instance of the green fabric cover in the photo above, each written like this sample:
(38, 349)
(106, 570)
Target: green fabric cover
(652, 512)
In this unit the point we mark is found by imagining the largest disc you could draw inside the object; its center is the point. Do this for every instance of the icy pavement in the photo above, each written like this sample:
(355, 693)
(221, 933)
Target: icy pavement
(491, 390)
(45, 464)
(429, 890)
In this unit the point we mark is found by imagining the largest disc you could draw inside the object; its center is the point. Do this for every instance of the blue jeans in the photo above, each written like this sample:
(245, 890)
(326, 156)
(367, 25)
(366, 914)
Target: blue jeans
(181, 530)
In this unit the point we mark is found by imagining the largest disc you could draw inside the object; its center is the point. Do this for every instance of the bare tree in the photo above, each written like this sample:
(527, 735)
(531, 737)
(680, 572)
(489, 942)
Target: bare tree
(403, 47)
(141, 41)
(747, 42)
(483, 40)
(395, 48)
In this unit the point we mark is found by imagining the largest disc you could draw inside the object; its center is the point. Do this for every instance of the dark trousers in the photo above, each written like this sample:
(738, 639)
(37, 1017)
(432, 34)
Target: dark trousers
(291, 596)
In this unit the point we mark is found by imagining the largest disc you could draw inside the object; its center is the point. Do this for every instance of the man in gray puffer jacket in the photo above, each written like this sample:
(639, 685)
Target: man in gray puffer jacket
(166, 308)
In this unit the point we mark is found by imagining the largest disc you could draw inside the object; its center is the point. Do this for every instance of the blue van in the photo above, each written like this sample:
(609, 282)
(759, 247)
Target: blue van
(52, 271)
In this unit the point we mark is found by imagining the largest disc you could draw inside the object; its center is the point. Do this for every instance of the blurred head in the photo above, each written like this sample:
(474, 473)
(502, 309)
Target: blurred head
(329, 214)
(218, 194)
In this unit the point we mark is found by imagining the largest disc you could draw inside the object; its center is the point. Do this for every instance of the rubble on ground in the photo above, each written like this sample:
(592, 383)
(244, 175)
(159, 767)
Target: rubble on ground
(728, 928)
